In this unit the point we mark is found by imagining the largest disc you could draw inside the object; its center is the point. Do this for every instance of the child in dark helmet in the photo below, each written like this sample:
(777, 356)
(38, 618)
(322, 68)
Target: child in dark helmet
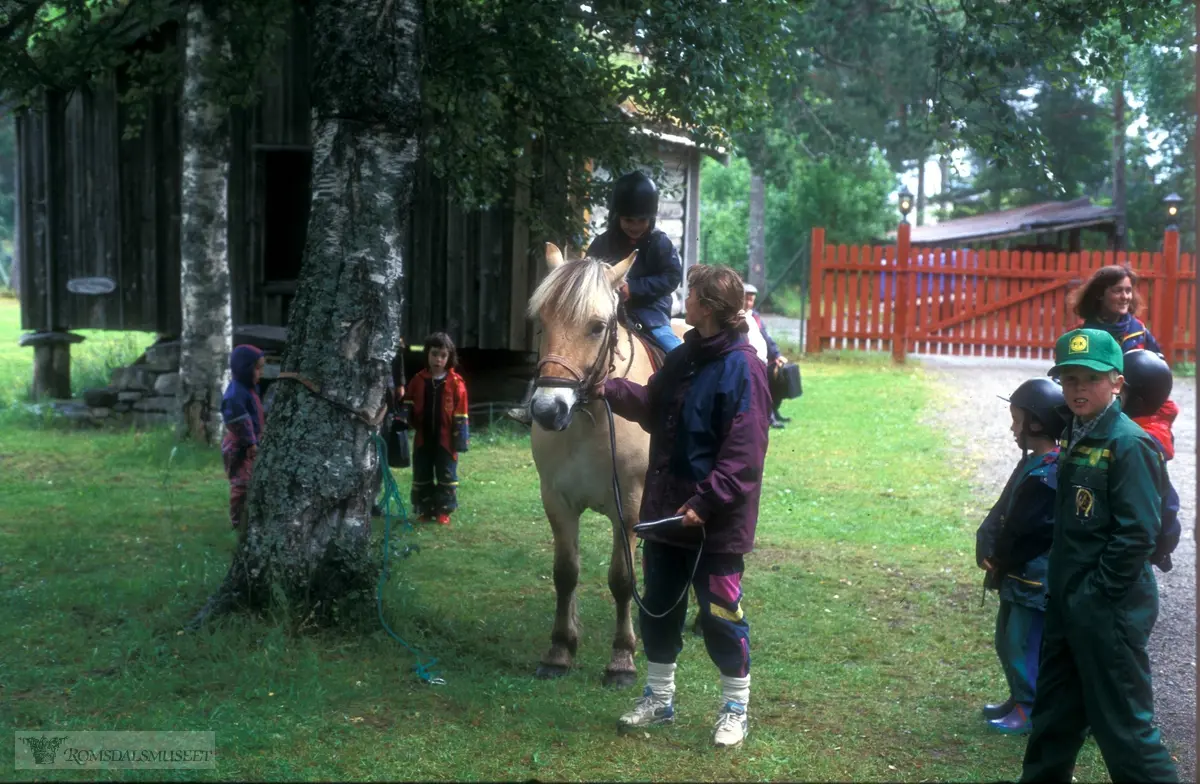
(654, 276)
(1013, 544)
(656, 272)
(1145, 399)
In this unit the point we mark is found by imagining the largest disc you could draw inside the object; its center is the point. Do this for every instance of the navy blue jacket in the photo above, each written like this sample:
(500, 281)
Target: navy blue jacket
(1168, 539)
(655, 274)
(1128, 331)
(1018, 531)
(707, 412)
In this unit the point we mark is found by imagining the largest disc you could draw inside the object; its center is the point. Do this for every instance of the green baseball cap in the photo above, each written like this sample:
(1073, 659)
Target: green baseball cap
(1089, 348)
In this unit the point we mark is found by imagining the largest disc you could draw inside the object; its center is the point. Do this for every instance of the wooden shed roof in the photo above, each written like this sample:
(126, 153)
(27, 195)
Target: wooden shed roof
(1050, 216)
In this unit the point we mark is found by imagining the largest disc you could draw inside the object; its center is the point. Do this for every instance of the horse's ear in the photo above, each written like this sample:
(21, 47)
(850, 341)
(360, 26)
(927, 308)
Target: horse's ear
(617, 272)
(554, 256)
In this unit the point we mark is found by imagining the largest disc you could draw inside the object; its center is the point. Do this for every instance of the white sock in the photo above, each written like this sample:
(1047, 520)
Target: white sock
(661, 680)
(735, 690)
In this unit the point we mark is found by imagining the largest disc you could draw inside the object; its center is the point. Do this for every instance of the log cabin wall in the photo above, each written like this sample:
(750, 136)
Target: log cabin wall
(93, 203)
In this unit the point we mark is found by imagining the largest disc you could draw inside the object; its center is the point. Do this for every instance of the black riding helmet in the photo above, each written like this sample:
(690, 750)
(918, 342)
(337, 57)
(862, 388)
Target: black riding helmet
(1148, 381)
(1043, 400)
(634, 196)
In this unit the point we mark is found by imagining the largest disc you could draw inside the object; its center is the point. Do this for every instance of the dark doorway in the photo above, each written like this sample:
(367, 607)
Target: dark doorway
(287, 183)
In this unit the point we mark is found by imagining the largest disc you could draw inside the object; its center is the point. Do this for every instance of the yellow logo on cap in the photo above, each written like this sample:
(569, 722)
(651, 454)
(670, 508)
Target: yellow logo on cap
(1079, 344)
(1084, 501)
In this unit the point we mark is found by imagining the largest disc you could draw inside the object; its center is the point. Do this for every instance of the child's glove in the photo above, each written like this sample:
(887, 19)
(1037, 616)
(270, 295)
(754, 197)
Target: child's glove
(462, 435)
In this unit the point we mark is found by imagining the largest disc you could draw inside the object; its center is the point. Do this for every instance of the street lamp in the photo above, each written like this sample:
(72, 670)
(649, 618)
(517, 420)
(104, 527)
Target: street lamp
(1173, 201)
(906, 203)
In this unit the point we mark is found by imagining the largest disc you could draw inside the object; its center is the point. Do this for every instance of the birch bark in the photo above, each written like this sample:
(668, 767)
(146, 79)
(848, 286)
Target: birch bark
(205, 294)
(309, 506)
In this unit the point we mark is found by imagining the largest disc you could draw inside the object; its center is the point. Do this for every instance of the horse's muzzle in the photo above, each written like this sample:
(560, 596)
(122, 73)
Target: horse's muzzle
(551, 413)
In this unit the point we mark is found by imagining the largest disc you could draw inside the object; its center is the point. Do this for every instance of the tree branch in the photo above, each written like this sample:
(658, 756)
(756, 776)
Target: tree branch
(21, 18)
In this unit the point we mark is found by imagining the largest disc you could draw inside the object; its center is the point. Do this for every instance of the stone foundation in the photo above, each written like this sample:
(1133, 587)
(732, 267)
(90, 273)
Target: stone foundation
(142, 395)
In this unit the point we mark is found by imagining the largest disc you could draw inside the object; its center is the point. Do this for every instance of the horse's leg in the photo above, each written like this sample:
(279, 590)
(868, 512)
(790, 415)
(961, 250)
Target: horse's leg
(621, 671)
(564, 639)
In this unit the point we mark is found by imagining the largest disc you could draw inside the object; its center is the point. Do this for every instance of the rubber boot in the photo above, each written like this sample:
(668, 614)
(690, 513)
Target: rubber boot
(998, 710)
(1015, 723)
(521, 413)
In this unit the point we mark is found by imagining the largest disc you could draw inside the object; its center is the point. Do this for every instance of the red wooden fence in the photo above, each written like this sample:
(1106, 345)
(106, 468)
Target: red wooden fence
(981, 303)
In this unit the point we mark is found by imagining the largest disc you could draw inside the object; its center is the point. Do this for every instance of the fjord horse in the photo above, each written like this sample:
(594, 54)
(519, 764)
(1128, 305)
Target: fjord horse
(581, 345)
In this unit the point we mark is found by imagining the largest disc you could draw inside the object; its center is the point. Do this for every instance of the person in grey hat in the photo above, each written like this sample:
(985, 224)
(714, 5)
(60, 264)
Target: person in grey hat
(775, 360)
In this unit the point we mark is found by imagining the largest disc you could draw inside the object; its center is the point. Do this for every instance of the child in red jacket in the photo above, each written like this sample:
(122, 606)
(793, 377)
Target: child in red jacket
(435, 404)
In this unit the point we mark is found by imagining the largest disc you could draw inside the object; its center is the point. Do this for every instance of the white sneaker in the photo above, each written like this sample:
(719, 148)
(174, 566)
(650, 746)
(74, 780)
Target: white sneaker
(649, 710)
(732, 725)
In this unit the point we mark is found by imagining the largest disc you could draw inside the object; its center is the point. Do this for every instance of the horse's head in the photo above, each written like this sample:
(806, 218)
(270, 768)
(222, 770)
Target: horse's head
(577, 307)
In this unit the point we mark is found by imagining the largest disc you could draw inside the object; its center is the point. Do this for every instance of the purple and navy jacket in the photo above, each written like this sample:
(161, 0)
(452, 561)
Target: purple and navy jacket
(241, 409)
(1128, 331)
(707, 412)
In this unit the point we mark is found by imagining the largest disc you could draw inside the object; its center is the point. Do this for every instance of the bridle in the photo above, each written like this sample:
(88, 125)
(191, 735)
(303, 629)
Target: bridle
(582, 382)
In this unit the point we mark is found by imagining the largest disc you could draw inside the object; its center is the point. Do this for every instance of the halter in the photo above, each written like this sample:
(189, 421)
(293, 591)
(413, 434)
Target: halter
(583, 382)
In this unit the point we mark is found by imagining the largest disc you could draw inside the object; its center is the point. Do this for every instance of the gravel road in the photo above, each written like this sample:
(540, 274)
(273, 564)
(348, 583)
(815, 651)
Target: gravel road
(975, 419)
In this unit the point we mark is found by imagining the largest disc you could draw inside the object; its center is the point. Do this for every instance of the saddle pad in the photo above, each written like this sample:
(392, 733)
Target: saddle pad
(657, 355)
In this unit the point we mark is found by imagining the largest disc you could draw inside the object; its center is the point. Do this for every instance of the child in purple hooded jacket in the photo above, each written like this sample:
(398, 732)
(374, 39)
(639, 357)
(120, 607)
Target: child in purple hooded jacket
(242, 412)
(707, 411)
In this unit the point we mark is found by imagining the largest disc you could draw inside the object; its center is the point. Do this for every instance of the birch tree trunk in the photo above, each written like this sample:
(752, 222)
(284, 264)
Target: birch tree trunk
(758, 231)
(309, 506)
(204, 253)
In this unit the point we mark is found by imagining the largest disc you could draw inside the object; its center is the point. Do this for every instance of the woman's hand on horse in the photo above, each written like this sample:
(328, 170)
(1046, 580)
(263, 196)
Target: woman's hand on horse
(690, 517)
(597, 390)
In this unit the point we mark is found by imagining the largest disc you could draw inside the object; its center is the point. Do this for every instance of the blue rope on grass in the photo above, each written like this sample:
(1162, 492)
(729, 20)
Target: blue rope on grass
(391, 492)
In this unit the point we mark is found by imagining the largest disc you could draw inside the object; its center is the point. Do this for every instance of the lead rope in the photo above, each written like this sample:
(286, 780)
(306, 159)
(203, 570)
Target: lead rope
(391, 492)
(616, 483)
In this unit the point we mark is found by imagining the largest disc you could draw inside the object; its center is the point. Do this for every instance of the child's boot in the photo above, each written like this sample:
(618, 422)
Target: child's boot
(521, 413)
(1015, 723)
(732, 724)
(657, 703)
(999, 710)
(443, 519)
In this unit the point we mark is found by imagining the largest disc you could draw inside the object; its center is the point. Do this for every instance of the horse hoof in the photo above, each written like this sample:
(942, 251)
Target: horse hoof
(547, 672)
(619, 680)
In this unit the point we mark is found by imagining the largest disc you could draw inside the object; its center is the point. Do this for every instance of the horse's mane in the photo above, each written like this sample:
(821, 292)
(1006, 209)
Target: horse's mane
(575, 291)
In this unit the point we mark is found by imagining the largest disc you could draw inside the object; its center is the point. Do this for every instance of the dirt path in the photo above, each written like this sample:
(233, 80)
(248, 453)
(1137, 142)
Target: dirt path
(974, 418)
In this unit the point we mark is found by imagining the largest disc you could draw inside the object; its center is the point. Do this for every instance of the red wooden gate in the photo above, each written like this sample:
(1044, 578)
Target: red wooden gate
(981, 302)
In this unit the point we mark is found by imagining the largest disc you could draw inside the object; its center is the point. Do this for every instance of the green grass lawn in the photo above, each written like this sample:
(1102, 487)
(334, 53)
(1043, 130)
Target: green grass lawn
(91, 360)
(871, 652)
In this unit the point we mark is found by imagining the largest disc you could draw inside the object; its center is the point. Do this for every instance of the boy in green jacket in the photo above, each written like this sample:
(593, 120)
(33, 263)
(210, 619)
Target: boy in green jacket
(1103, 599)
